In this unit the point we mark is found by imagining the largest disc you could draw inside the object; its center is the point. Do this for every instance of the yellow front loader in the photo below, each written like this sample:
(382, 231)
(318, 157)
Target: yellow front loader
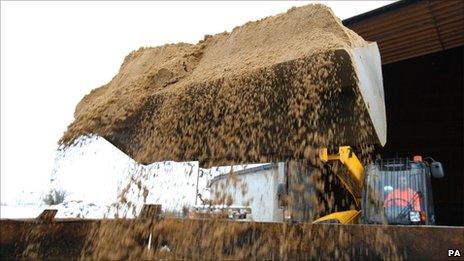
(388, 191)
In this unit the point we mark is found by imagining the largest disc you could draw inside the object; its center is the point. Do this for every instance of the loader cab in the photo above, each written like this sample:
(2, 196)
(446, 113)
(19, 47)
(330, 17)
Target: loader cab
(398, 191)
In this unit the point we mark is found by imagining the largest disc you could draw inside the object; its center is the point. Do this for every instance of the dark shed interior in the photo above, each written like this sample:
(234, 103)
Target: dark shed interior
(421, 44)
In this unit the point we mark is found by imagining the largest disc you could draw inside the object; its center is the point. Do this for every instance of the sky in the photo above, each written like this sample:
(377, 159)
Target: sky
(53, 53)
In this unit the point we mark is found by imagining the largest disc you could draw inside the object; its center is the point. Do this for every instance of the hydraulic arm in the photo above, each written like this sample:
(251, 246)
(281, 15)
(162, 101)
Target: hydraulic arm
(347, 157)
(354, 179)
(353, 182)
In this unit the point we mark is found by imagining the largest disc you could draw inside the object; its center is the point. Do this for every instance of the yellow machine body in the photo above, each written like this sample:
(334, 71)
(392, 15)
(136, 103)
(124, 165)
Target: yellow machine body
(356, 170)
(342, 217)
(348, 158)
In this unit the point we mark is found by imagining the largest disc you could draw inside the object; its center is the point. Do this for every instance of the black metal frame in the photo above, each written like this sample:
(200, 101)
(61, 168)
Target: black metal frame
(390, 170)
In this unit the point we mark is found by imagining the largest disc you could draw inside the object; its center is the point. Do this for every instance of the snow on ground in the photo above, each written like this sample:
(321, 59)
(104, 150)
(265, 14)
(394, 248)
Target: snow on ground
(94, 173)
(68, 209)
(20, 211)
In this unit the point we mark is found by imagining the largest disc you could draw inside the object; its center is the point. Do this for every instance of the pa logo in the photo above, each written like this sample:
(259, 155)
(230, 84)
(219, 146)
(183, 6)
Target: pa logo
(454, 252)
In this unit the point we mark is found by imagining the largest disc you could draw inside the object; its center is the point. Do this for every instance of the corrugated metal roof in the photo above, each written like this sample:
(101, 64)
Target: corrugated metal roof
(408, 29)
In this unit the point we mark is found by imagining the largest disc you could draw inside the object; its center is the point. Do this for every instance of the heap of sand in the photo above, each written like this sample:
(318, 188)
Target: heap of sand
(259, 93)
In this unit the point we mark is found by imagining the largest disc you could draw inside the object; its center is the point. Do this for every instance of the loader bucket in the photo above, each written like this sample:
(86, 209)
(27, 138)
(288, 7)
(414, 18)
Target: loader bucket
(270, 90)
(368, 66)
(280, 112)
(358, 111)
(252, 118)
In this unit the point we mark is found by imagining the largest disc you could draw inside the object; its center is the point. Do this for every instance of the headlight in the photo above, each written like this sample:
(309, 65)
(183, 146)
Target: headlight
(414, 216)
